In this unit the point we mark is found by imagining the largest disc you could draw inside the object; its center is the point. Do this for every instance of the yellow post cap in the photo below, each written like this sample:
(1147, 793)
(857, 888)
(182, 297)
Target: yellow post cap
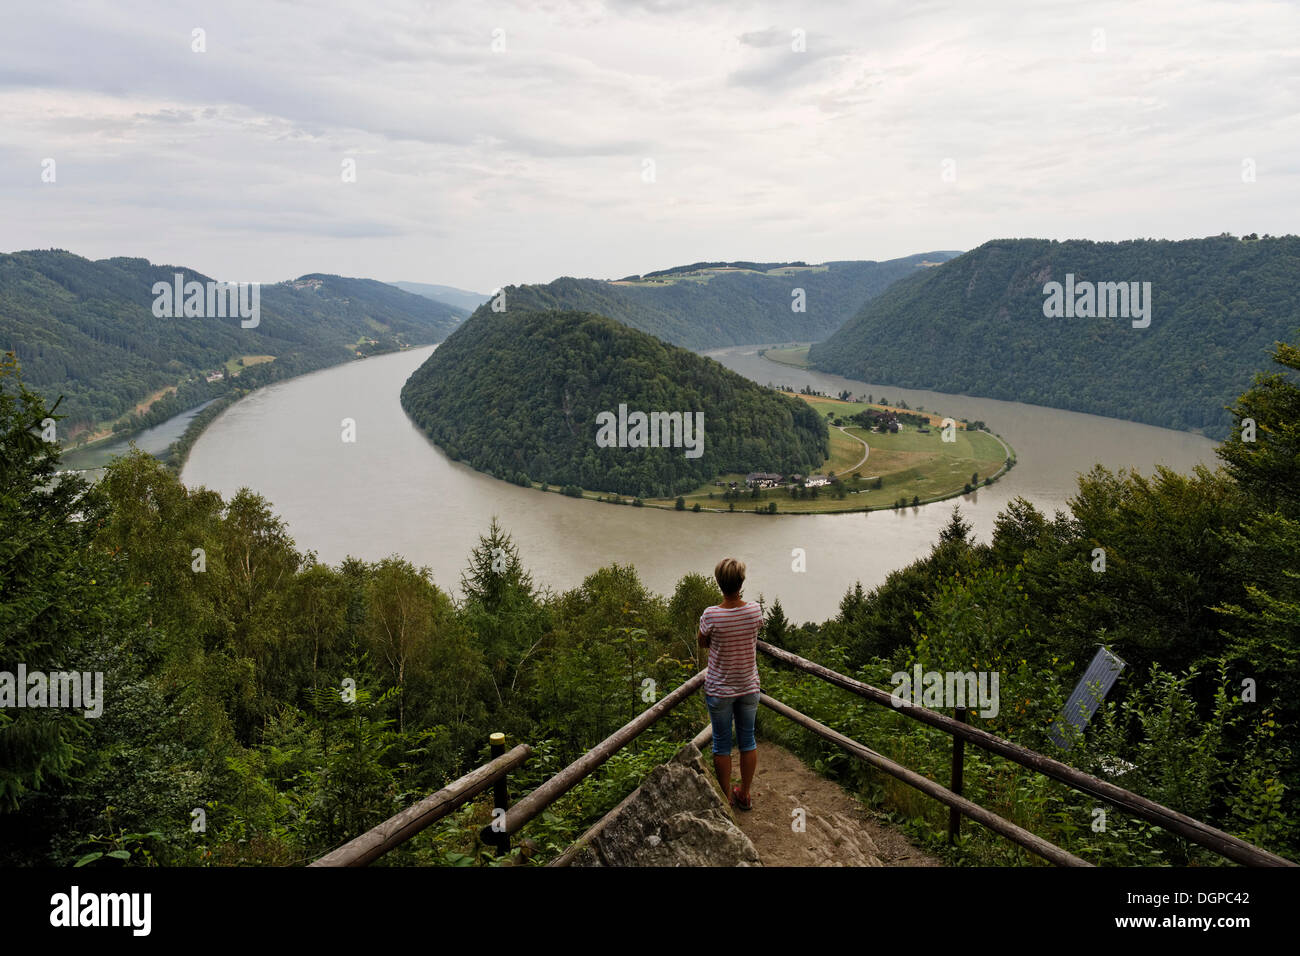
(498, 738)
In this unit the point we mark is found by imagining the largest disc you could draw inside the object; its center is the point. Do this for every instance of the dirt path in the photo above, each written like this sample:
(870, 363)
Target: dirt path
(838, 830)
(866, 453)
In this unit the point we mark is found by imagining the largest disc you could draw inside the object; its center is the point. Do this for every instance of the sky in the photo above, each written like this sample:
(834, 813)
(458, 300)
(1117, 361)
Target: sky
(483, 144)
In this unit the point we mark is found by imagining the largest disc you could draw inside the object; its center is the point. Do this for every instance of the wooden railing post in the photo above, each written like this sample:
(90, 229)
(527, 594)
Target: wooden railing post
(958, 762)
(500, 799)
(564, 781)
(396, 830)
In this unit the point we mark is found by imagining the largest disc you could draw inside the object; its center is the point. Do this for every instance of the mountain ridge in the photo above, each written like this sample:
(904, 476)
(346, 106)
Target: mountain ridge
(723, 308)
(87, 330)
(976, 325)
(461, 299)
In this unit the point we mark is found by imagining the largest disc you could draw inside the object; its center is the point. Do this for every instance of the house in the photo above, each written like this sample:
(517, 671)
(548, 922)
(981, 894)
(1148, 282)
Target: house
(762, 479)
(816, 481)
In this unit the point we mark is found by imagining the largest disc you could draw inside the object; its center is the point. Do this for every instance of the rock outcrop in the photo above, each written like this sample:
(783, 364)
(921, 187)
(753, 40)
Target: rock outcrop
(677, 817)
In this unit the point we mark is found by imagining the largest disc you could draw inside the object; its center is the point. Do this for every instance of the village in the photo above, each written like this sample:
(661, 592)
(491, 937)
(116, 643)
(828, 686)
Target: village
(765, 479)
(881, 455)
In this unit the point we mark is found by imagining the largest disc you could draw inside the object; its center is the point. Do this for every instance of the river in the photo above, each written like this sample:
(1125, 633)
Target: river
(155, 441)
(393, 492)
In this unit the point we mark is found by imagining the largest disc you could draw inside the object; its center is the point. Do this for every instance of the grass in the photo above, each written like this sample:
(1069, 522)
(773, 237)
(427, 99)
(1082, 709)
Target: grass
(798, 357)
(847, 452)
(233, 366)
(910, 464)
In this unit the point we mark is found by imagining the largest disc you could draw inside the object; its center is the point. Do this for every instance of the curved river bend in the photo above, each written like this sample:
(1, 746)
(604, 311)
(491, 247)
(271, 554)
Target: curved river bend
(393, 492)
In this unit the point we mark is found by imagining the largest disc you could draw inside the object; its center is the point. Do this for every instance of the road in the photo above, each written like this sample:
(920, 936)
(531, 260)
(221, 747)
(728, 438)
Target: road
(866, 452)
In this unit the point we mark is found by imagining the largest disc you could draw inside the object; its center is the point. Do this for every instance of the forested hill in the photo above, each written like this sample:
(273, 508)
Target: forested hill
(712, 305)
(86, 329)
(976, 326)
(517, 395)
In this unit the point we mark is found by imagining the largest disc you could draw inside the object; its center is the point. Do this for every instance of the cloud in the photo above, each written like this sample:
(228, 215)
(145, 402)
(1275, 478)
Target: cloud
(503, 142)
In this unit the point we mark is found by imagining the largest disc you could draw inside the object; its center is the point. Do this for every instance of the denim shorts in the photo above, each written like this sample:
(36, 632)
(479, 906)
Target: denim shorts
(721, 709)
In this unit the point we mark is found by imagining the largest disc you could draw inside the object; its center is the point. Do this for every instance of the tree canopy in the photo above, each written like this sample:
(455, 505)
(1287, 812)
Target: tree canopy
(975, 326)
(85, 330)
(518, 394)
(729, 308)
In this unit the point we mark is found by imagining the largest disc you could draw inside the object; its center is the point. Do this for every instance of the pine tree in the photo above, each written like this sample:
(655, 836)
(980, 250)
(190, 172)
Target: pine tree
(56, 593)
(956, 529)
(776, 625)
(501, 607)
(1268, 467)
(495, 571)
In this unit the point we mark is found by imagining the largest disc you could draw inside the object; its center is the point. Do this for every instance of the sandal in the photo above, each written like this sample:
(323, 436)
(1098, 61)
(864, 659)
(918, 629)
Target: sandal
(737, 802)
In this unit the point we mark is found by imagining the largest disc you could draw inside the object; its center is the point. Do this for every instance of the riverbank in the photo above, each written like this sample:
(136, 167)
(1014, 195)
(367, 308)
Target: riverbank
(796, 356)
(176, 453)
(395, 492)
(865, 471)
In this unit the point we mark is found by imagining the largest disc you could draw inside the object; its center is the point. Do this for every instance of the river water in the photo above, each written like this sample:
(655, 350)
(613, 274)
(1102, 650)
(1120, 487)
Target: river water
(392, 492)
(155, 441)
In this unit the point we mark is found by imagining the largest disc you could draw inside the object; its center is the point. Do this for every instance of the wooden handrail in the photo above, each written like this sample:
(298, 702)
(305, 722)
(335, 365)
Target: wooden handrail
(1224, 844)
(1017, 835)
(550, 791)
(396, 830)
(703, 737)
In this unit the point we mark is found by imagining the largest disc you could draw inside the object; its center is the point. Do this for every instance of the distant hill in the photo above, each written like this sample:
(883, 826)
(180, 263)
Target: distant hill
(711, 305)
(86, 330)
(976, 326)
(517, 395)
(461, 299)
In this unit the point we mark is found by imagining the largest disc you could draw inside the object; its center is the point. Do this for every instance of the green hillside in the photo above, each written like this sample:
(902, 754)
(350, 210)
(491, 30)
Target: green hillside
(976, 326)
(712, 305)
(86, 330)
(517, 395)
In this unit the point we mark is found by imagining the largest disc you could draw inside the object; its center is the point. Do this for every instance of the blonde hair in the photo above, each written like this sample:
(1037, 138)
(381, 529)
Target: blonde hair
(730, 575)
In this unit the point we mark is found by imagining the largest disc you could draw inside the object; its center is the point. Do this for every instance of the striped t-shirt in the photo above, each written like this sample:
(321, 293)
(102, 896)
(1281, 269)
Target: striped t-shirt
(733, 649)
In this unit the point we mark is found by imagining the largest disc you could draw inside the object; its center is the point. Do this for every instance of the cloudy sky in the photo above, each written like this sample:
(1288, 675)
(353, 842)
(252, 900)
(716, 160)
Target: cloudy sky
(498, 142)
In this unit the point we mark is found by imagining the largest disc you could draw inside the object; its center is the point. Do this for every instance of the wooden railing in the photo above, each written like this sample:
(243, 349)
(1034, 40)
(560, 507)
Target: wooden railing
(509, 820)
(1224, 844)
(396, 830)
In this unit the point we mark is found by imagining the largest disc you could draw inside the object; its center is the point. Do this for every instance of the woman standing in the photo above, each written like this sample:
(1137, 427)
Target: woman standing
(730, 631)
